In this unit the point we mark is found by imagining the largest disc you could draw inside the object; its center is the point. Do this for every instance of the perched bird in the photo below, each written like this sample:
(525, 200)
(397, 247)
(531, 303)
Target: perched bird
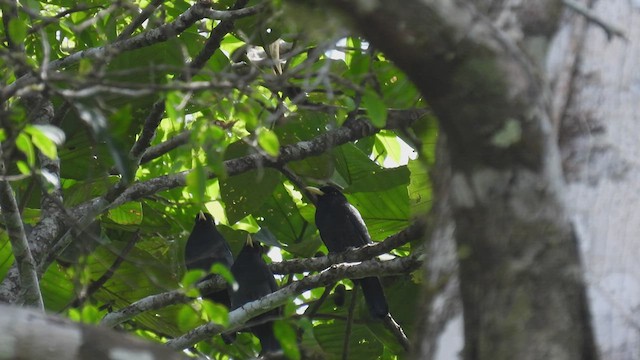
(341, 227)
(205, 247)
(255, 280)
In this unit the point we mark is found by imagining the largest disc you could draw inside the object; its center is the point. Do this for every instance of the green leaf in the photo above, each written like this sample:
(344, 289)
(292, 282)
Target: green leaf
(223, 271)
(174, 100)
(54, 133)
(376, 108)
(23, 167)
(6, 255)
(3, 135)
(286, 334)
(127, 214)
(359, 66)
(17, 30)
(216, 313)
(268, 141)
(45, 138)
(363, 174)
(388, 145)
(190, 278)
(419, 187)
(91, 314)
(187, 318)
(386, 220)
(197, 183)
(362, 345)
(244, 193)
(24, 144)
(305, 125)
(281, 217)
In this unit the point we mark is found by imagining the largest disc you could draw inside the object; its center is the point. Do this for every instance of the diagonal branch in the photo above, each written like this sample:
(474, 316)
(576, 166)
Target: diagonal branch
(336, 272)
(139, 20)
(29, 285)
(350, 131)
(216, 283)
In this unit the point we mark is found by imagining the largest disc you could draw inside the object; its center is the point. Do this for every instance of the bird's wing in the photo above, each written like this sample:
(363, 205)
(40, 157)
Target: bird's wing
(360, 234)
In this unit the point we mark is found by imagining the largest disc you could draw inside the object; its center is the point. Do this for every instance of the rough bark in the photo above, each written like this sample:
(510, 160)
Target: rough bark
(521, 279)
(597, 112)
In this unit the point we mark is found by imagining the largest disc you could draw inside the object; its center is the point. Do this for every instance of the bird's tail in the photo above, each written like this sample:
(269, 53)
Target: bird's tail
(374, 296)
(268, 340)
(391, 324)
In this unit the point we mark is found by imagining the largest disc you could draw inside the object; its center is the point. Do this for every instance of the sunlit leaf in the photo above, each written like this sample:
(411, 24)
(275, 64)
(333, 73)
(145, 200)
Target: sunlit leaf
(127, 214)
(191, 277)
(187, 318)
(268, 141)
(23, 167)
(376, 108)
(23, 143)
(223, 271)
(287, 337)
(216, 313)
(17, 30)
(197, 183)
(45, 139)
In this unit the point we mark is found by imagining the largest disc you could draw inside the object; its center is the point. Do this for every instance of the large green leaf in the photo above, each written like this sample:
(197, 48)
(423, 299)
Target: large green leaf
(385, 212)
(246, 192)
(305, 125)
(362, 345)
(419, 188)
(362, 174)
(281, 217)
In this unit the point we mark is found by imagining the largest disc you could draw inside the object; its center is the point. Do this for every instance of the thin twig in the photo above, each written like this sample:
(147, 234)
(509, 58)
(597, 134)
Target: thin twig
(593, 17)
(349, 324)
(96, 285)
(139, 20)
(315, 306)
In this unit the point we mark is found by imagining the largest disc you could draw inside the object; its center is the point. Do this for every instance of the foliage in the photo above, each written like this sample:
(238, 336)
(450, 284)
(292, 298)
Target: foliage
(246, 99)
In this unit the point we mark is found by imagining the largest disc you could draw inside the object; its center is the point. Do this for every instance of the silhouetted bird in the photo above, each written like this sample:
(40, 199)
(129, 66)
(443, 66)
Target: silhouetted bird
(341, 227)
(255, 280)
(205, 247)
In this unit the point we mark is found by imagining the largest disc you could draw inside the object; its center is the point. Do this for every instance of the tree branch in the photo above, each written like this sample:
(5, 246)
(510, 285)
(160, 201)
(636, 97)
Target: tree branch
(26, 267)
(213, 43)
(339, 271)
(27, 334)
(217, 283)
(45, 234)
(412, 232)
(139, 20)
(162, 33)
(156, 151)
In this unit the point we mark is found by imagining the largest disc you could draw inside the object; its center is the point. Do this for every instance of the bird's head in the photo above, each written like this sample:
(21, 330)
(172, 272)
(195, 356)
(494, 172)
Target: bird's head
(253, 246)
(327, 191)
(204, 217)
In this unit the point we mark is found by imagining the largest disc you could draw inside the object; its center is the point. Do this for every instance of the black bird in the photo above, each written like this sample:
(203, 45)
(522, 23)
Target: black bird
(255, 280)
(205, 247)
(341, 227)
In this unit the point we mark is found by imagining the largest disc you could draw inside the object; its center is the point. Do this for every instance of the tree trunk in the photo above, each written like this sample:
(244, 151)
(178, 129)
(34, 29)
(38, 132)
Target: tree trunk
(597, 108)
(521, 283)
